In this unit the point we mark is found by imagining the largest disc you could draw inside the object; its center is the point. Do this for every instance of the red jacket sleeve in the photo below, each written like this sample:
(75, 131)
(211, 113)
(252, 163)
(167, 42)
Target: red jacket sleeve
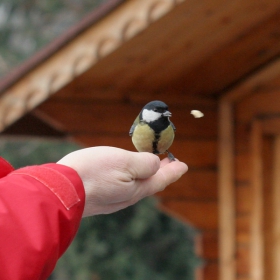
(41, 209)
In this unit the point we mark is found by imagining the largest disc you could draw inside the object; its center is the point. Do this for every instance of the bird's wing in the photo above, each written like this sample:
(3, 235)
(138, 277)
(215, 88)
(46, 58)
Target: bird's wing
(132, 129)
(133, 126)
(173, 126)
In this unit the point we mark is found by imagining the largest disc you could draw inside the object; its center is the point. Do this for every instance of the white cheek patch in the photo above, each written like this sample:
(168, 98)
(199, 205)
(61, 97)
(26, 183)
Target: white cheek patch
(150, 115)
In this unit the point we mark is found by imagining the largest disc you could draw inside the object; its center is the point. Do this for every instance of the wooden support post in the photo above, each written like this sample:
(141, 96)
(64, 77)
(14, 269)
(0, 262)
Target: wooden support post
(257, 241)
(226, 193)
(276, 211)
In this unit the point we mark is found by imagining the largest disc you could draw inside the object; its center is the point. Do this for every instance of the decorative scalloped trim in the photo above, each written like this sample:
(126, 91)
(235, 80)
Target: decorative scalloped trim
(79, 55)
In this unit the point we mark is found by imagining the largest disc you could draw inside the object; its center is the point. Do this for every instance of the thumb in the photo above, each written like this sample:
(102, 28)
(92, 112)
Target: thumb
(165, 175)
(143, 165)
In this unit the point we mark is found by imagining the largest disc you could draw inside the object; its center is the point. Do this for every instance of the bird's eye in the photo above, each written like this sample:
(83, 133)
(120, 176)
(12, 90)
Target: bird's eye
(155, 110)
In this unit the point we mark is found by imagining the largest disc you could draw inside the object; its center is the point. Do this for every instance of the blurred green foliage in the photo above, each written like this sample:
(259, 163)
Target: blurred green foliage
(137, 243)
(21, 152)
(27, 25)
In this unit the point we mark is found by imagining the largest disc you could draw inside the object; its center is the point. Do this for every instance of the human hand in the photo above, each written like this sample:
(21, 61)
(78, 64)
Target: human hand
(115, 179)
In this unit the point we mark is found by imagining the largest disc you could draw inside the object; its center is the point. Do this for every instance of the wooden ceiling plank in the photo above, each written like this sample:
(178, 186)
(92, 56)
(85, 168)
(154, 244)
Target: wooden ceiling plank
(166, 62)
(224, 22)
(233, 63)
(168, 41)
(229, 22)
(77, 91)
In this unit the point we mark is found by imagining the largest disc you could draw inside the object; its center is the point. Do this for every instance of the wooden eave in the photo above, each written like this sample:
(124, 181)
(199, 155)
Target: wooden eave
(152, 46)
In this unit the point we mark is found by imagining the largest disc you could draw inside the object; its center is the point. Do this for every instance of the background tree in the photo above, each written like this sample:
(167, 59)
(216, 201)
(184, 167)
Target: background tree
(27, 25)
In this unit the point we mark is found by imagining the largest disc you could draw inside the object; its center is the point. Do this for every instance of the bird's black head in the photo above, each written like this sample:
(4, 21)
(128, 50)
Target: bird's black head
(156, 115)
(153, 111)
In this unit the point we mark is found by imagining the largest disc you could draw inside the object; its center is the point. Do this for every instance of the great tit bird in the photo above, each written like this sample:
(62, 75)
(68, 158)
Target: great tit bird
(152, 131)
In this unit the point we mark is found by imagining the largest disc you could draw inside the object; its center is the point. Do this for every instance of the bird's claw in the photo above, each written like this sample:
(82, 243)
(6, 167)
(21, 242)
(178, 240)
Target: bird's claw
(170, 156)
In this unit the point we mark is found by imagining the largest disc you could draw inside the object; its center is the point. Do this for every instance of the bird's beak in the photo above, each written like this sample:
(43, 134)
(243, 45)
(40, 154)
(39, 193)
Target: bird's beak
(167, 114)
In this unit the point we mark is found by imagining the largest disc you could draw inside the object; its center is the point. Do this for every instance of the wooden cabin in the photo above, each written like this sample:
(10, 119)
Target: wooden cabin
(220, 57)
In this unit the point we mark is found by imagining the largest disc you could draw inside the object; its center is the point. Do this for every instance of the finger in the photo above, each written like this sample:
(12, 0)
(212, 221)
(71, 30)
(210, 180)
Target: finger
(164, 162)
(166, 175)
(143, 165)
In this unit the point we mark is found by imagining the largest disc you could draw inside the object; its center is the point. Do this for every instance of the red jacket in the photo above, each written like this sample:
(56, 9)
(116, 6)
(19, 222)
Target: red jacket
(40, 212)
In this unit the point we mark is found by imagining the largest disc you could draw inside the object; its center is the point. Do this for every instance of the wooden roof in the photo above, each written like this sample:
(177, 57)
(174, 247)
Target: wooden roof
(151, 46)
